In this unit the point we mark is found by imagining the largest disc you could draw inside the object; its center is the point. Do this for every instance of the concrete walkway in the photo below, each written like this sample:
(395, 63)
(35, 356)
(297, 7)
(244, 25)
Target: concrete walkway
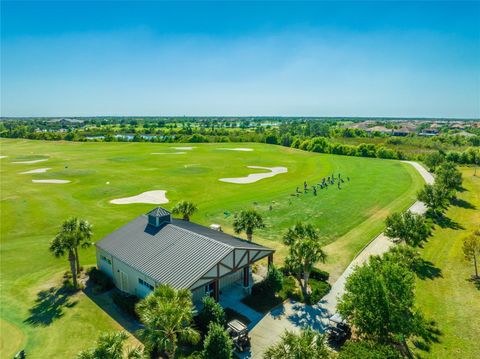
(294, 316)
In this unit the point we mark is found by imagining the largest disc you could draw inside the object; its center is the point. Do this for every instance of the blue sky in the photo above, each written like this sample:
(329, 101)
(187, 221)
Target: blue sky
(399, 59)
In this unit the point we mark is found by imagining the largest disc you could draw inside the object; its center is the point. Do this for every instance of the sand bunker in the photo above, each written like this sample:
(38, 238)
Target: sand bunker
(183, 148)
(3, 156)
(168, 153)
(150, 197)
(38, 170)
(254, 177)
(30, 162)
(51, 181)
(237, 149)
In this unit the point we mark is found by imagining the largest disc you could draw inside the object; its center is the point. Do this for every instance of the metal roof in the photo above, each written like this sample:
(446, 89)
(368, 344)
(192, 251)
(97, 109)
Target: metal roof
(158, 212)
(179, 253)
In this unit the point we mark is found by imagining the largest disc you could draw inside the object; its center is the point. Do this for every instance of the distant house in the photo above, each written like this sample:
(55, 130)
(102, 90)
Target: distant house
(155, 249)
(380, 129)
(465, 134)
(403, 131)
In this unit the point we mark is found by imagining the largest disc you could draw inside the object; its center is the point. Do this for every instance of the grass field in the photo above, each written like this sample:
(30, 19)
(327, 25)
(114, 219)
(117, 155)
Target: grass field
(31, 213)
(451, 300)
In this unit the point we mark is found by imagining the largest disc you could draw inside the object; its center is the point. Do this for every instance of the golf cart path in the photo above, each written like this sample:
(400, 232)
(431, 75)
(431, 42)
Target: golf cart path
(294, 316)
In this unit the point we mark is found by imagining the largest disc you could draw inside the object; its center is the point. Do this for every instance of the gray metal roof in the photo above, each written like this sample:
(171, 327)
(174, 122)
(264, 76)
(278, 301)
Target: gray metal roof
(158, 212)
(179, 253)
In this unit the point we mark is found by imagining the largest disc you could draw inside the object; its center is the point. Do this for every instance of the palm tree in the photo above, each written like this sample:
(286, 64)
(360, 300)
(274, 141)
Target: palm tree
(111, 346)
(308, 344)
(83, 233)
(65, 243)
(167, 316)
(247, 221)
(305, 250)
(185, 208)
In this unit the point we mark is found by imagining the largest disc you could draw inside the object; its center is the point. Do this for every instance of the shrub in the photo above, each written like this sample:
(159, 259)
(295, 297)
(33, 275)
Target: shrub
(217, 344)
(274, 280)
(319, 274)
(102, 280)
(318, 290)
(126, 302)
(212, 312)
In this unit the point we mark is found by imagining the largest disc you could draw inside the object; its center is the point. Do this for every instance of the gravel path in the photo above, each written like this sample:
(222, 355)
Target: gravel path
(294, 316)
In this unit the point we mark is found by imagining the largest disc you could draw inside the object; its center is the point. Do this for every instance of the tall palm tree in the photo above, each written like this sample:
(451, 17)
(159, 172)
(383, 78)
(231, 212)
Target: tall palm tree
(304, 251)
(65, 243)
(248, 220)
(84, 234)
(167, 316)
(81, 232)
(185, 208)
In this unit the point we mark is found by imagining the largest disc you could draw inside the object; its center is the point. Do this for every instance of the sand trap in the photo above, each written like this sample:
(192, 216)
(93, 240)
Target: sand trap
(150, 197)
(38, 170)
(254, 177)
(3, 156)
(30, 162)
(168, 153)
(51, 181)
(183, 148)
(237, 149)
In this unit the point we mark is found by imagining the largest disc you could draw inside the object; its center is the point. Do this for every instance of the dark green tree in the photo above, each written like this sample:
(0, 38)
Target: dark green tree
(449, 176)
(407, 227)
(212, 312)
(217, 343)
(436, 197)
(111, 346)
(379, 301)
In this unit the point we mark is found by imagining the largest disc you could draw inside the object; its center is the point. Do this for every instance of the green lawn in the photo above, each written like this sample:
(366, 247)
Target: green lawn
(31, 213)
(451, 300)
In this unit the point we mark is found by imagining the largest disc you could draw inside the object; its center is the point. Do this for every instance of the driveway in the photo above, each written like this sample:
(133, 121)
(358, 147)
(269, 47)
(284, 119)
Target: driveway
(295, 316)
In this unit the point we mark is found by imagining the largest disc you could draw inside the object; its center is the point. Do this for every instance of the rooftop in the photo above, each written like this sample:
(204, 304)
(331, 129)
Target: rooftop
(179, 253)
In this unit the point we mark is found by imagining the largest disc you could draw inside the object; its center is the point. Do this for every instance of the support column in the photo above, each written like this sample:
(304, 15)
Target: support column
(270, 260)
(246, 277)
(216, 295)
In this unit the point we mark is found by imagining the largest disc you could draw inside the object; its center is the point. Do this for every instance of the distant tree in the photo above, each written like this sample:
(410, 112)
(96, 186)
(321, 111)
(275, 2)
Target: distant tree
(471, 249)
(65, 243)
(388, 312)
(435, 197)
(248, 221)
(367, 350)
(166, 314)
(212, 312)
(449, 176)
(217, 343)
(111, 346)
(304, 251)
(185, 208)
(308, 344)
(407, 227)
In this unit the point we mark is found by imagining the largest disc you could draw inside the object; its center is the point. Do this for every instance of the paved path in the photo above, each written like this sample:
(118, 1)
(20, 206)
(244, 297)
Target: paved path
(294, 316)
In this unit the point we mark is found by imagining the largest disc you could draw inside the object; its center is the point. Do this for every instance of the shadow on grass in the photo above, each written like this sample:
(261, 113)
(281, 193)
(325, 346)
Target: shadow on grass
(105, 302)
(49, 305)
(430, 335)
(475, 281)
(458, 202)
(445, 222)
(426, 270)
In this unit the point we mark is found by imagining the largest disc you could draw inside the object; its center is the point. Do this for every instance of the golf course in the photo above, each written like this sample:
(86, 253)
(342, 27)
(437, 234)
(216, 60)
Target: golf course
(44, 183)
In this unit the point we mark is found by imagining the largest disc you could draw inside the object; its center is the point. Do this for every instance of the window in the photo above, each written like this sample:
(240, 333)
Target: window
(210, 289)
(106, 260)
(145, 284)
